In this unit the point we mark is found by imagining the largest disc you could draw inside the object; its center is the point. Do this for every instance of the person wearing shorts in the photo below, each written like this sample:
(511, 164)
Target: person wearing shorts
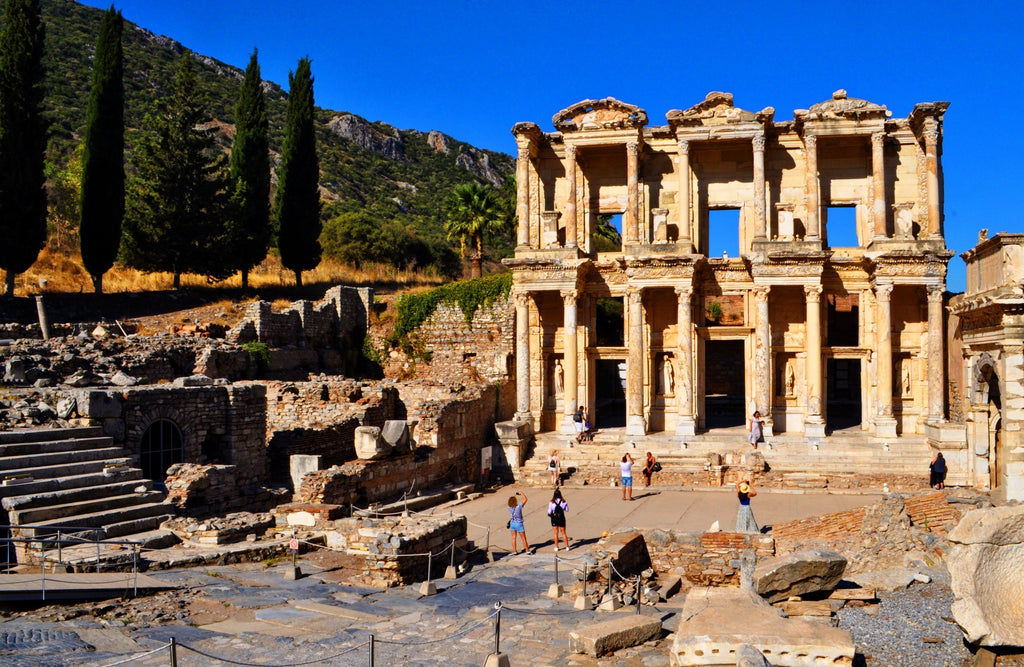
(579, 421)
(626, 468)
(515, 523)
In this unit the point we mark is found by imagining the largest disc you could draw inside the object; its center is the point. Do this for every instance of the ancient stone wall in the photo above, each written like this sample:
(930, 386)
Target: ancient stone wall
(341, 315)
(213, 490)
(705, 559)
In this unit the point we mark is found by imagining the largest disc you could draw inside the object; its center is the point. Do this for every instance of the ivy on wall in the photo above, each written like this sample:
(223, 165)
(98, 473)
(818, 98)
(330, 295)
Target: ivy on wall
(469, 295)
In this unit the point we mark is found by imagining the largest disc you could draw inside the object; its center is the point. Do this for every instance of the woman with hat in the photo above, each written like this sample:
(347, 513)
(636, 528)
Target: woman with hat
(745, 522)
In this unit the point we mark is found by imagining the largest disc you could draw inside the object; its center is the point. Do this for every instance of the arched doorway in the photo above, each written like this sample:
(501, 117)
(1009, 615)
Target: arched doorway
(161, 447)
(995, 448)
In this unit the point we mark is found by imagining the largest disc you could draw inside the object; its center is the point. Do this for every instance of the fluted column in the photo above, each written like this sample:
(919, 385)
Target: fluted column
(761, 233)
(684, 196)
(570, 201)
(522, 301)
(631, 220)
(936, 356)
(523, 196)
(931, 147)
(570, 358)
(762, 357)
(686, 422)
(814, 425)
(885, 424)
(635, 422)
(878, 206)
(812, 226)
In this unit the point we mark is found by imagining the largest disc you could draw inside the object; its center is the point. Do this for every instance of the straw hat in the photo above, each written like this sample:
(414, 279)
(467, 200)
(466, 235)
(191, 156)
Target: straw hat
(744, 487)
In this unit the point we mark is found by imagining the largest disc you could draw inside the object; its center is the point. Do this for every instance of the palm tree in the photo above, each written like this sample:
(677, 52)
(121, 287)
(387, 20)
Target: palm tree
(474, 211)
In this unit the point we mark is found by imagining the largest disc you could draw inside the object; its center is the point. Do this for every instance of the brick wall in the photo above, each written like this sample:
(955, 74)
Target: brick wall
(340, 317)
(705, 559)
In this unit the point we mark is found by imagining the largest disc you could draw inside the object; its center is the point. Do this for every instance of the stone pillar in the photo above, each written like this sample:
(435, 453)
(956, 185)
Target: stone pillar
(936, 355)
(570, 359)
(522, 300)
(683, 199)
(635, 422)
(811, 226)
(631, 220)
(686, 422)
(523, 197)
(570, 201)
(814, 425)
(762, 358)
(761, 232)
(878, 206)
(931, 147)
(885, 424)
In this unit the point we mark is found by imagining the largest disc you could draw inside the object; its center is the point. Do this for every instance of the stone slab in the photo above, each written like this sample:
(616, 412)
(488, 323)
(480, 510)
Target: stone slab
(798, 573)
(618, 633)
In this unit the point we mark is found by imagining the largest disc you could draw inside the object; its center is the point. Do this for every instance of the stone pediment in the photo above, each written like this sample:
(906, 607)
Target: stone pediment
(717, 109)
(843, 107)
(606, 114)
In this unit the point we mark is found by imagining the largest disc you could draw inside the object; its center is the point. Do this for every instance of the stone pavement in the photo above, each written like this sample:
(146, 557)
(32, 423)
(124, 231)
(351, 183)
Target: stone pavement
(263, 618)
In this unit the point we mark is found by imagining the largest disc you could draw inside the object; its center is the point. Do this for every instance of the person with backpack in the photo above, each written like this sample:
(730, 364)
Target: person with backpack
(579, 420)
(554, 467)
(556, 510)
(938, 472)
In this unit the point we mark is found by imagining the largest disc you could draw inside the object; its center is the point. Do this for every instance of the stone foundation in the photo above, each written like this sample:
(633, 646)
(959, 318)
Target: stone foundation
(705, 559)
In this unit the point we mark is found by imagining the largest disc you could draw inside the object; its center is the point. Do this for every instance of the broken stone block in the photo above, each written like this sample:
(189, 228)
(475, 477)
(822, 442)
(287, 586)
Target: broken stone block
(122, 379)
(622, 632)
(396, 433)
(84, 379)
(66, 407)
(101, 405)
(194, 381)
(749, 656)
(799, 573)
(369, 444)
(14, 370)
(301, 465)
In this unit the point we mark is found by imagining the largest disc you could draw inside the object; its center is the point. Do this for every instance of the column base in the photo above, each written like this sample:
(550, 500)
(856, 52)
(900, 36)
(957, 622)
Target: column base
(814, 427)
(768, 429)
(636, 425)
(568, 426)
(524, 417)
(885, 427)
(686, 426)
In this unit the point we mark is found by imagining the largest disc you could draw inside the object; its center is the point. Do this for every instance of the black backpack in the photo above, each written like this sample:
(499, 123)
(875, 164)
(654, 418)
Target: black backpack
(559, 511)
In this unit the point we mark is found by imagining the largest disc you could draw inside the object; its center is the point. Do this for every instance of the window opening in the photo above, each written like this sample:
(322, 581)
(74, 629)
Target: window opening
(724, 232)
(843, 320)
(841, 227)
(608, 233)
(610, 322)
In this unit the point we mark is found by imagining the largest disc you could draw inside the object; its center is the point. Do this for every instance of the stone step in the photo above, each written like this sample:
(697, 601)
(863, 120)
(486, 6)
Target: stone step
(48, 434)
(75, 481)
(41, 515)
(69, 469)
(103, 488)
(124, 529)
(50, 446)
(47, 459)
(82, 557)
(122, 521)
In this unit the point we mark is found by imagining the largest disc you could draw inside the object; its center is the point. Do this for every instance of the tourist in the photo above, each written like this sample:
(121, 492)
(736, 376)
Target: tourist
(650, 469)
(556, 510)
(579, 420)
(938, 472)
(554, 467)
(756, 424)
(515, 523)
(745, 517)
(626, 468)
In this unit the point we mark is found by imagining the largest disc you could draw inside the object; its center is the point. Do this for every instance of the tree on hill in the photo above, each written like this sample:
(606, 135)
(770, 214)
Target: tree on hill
(178, 194)
(102, 198)
(297, 202)
(249, 227)
(475, 212)
(22, 139)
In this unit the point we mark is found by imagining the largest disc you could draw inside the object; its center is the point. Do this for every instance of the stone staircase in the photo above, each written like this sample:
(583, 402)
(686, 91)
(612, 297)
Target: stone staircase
(75, 484)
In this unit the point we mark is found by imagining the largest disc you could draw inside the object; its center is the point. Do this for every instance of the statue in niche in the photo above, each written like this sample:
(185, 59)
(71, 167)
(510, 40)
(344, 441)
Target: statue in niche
(905, 379)
(790, 378)
(666, 376)
(559, 377)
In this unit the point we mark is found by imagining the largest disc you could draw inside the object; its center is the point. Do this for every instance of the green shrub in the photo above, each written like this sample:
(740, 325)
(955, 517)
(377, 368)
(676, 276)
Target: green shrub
(259, 356)
(414, 309)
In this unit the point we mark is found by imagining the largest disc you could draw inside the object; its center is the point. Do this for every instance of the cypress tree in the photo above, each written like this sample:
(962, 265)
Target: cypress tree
(249, 230)
(102, 199)
(297, 202)
(22, 139)
(177, 197)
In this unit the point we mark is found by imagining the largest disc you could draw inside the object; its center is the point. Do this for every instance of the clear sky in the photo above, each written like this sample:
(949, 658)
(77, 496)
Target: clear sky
(473, 69)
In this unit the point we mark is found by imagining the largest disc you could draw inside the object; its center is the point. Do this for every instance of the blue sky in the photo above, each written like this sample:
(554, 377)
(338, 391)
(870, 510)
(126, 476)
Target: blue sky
(473, 69)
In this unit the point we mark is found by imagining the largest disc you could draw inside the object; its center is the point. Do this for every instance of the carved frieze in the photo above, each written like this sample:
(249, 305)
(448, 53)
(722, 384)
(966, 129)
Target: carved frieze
(716, 109)
(843, 107)
(606, 114)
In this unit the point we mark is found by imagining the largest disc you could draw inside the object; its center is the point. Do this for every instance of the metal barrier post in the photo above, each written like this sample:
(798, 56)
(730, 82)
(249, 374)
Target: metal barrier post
(60, 551)
(556, 569)
(96, 534)
(487, 550)
(497, 629)
(135, 570)
(430, 560)
(451, 563)
(42, 563)
(638, 594)
(371, 650)
(586, 575)
(174, 653)
(609, 591)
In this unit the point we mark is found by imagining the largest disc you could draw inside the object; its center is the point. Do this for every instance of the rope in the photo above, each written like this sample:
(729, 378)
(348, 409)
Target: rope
(273, 664)
(370, 555)
(464, 631)
(546, 613)
(139, 657)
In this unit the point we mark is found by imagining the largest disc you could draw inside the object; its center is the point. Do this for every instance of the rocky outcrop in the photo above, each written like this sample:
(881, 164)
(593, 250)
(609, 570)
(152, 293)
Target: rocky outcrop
(438, 142)
(800, 573)
(986, 576)
(479, 164)
(365, 135)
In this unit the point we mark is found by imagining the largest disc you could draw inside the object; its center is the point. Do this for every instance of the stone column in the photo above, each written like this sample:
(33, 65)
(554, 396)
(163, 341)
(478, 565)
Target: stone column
(635, 422)
(878, 206)
(686, 423)
(936, 356)
(683, 199)
(762, 358)
(570, 201)
(570, 359)
(931, 147)
(885, 424)
(522, 300)
(761, 233)
(523, 196)
(814, 425)
(631, 220)
(811, 226)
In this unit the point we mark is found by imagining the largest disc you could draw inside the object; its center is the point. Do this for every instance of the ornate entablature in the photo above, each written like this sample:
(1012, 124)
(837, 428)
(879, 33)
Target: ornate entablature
(927, 114)
(841, 107)
(542, 273)
(717, 109)
(903, 266)
(673, 268)
(803, 267)
(606, 114)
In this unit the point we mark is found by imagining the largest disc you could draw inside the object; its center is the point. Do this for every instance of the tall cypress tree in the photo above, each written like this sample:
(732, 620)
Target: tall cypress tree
(297, 202)
(22, 139)
(102, 199)
(177, 196)
(249, 228)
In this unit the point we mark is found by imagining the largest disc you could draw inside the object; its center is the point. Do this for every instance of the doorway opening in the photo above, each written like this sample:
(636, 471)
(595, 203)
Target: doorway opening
(611, 322)
(724, 384)
(843, 403)
(610, 410)
(161, 447)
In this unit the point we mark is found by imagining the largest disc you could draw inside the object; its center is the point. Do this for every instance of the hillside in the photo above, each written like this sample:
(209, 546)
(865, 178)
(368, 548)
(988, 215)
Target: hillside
(400, 175)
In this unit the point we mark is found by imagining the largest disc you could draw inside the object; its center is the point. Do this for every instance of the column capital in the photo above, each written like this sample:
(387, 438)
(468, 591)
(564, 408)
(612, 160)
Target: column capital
(684, 291)
(521, 298)
(812, 292)
(883, 292)
(684, 146)
(936, 293)
(570, 151)
(570, 296)
(633, 148)
(878, 140)
(931, 136)
(811, 141)
(635, 295)
(761, 292)
(758, 143)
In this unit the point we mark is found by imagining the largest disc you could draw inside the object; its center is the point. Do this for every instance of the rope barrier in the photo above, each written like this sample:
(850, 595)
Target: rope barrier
(273, 664)
(461, 632)
(138, 657)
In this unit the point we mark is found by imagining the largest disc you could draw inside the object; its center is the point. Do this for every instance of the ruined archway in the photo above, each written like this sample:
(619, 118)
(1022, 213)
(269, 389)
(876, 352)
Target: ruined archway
(161, 446)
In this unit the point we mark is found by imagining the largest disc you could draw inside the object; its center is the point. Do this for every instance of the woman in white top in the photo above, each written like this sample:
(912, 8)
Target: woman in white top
(626, 468)
(554, 467)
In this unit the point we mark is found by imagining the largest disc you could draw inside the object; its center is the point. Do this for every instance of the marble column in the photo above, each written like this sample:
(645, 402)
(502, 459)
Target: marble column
(635, 422)
(523, 196)
(762, 358)
(885, 424)
(936, 355)
(811, 225)
(686, 422)
(878, 207)
(683, 199)
(570, 201)
(522, 301)
(814, 424)
(931, 147)
(631, 219)
(761, 232)
(570, 359)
